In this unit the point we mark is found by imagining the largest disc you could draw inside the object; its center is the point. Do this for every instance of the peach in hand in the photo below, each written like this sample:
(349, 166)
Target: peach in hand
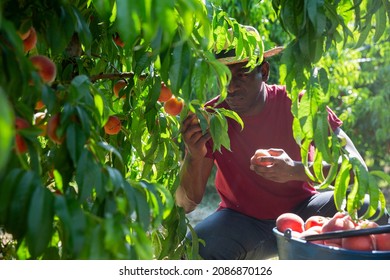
(259, 154)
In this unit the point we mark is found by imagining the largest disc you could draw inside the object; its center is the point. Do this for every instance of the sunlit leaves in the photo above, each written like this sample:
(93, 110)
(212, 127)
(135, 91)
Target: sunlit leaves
(7, 129)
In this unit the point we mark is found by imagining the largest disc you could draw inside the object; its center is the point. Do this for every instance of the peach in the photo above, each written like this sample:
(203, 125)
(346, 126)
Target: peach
(25, 34)
(291, 221)
(315, 221)
(382, 241)
(339, 221)
(165, 93)
(30, 41)
(46, 68)
(360, 243)
(52, 127)
(259, 154)
(118, 41)
(39, 105)
(21, 145)
(118, 86)
(173, 106)
(113, 125)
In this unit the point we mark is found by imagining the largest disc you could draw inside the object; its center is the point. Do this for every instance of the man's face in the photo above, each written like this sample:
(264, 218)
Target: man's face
(245, 88)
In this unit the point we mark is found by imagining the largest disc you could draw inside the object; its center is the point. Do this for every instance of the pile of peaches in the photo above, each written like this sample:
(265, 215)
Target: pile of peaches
(340, 221)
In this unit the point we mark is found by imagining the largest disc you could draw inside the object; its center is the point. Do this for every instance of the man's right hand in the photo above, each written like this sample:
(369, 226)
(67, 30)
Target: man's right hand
(193, 137)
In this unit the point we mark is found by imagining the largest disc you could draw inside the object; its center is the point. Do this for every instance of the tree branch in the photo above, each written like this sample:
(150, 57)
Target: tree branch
(113, 76)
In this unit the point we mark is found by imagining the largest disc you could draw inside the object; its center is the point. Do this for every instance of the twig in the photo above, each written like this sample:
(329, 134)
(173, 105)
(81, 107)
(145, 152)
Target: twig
(113, 76)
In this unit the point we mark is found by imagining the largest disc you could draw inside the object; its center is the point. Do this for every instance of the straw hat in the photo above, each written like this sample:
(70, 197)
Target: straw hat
(229, 57)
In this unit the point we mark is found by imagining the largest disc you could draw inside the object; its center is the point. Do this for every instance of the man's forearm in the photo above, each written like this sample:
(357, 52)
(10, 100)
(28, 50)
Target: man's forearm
(193, 178)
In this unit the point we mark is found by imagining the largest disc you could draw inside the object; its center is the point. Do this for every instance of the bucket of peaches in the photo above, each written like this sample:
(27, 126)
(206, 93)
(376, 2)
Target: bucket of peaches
(328, 238)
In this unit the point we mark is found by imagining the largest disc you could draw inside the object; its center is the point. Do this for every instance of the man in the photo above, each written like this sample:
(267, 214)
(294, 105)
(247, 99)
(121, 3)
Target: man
(252, 194)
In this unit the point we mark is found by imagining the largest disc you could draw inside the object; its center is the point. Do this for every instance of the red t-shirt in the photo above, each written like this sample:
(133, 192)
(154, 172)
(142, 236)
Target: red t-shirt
(240, 188)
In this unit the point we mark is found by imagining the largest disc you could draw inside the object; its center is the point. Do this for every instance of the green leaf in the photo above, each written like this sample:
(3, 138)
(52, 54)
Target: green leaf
(380, 20)
(130, 15)
(7, 186)
(111, 149)
(142, 243)
(231, 114)
(381, 174)
(341, 184)
(7, 128)
(75, 141)
(374, 194)
(142, 207)
(16, 222)
(318, 166)
(82, 28)
(40, 221)
(104, 8)
(219, 132)
(329, 178)
(363, 35)
(321, 139)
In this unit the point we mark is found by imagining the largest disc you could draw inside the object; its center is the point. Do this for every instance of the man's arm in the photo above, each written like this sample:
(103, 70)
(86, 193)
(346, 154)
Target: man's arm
(193, 179)
(196, 168)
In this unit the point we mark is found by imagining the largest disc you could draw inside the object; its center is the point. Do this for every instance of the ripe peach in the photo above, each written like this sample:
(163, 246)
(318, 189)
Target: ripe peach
(315, 221)
(367, 224)
(39, 105)
(21, 145)
(24, 35)
(45, 66)
(360, 243)
(118, 86)
(21, 123)
(52, 127)
(291, 221)
(30, 41)
(113, 125)
(258, 157)
(382, 241)
(165, 93)
(173, 106)
(340, 221)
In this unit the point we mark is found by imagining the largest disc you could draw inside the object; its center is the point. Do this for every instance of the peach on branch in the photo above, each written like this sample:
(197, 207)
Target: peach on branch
(52, 129)
(113, 125)
(118, 41)
(173, 106)
(118, 86)
(45, 66)
(30, 39)
(20, 144)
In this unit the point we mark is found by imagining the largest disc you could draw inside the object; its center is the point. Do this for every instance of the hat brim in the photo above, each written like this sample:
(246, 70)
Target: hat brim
(231, 59)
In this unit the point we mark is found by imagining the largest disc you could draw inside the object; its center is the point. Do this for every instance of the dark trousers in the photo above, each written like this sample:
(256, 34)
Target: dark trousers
(230, 235)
